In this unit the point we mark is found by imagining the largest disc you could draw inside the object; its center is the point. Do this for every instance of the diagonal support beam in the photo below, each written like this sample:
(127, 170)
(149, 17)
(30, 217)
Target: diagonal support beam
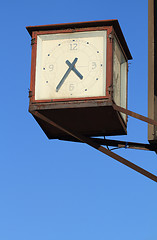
(97, 146)
(134, 115)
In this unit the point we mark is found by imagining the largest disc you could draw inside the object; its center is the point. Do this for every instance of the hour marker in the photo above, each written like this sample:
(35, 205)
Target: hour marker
(87, 42)
(97, 78)
(48, 54)
(85, 89)
(97, 51)
(43, 68)
(47, 81)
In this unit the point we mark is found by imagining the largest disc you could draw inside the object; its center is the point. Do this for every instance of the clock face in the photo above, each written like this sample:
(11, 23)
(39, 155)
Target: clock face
(71, 65)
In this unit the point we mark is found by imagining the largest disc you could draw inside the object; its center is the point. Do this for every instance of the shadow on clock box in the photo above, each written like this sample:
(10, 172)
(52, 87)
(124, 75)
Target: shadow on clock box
(94, 118)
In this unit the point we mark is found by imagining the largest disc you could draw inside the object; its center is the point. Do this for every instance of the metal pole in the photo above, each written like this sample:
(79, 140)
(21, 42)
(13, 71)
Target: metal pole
(152, 68)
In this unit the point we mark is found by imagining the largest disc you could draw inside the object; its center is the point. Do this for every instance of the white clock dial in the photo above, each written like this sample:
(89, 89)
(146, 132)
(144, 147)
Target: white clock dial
(71, 65)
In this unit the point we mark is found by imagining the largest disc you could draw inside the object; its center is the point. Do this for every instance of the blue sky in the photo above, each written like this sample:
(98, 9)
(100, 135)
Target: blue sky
(56, 190)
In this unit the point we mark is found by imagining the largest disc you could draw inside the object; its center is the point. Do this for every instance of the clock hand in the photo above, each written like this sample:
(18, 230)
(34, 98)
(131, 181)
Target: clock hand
(66, 74)
(75, 70)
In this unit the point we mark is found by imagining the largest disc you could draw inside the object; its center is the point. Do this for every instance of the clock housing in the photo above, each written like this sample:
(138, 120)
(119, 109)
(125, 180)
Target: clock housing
(78, 71)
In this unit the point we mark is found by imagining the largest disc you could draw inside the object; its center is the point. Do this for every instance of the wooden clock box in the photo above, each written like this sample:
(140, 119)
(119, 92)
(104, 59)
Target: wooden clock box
(78, 71)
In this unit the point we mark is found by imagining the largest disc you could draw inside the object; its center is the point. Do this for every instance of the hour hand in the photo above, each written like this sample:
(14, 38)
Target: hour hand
(75, 70)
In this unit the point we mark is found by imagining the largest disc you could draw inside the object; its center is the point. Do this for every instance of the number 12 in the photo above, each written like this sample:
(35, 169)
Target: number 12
(73, 46)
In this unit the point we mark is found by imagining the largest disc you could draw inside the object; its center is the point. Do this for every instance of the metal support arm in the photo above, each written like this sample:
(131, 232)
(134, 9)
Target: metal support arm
(118, 144)
(97, 146)
(134, 115)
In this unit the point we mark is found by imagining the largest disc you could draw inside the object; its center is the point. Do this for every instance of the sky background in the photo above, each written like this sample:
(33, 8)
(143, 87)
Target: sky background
(56, 190)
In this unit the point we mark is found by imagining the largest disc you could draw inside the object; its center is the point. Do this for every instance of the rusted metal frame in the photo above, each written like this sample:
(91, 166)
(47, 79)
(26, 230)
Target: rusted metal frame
(33, 68)
(81, 25)
(109, 62)
(97, 146)
(75, 25)
(118, 144)
(135, 115)
(71, 30)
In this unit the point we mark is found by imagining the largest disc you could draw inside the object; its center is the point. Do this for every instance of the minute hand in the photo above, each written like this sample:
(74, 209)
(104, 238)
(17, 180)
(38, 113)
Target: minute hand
(66, 74)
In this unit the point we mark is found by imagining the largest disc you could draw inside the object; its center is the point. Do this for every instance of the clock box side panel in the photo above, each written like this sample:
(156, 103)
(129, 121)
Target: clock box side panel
(120, 76)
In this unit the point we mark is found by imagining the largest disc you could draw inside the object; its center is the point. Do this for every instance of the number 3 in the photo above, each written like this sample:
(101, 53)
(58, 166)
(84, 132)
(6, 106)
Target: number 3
(51, 67)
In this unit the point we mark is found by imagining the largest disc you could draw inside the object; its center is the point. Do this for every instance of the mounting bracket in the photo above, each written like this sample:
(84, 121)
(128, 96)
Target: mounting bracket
(97, 145)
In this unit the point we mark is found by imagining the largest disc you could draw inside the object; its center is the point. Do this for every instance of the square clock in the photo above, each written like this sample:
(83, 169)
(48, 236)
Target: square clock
(78, 71)
(71, 65)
